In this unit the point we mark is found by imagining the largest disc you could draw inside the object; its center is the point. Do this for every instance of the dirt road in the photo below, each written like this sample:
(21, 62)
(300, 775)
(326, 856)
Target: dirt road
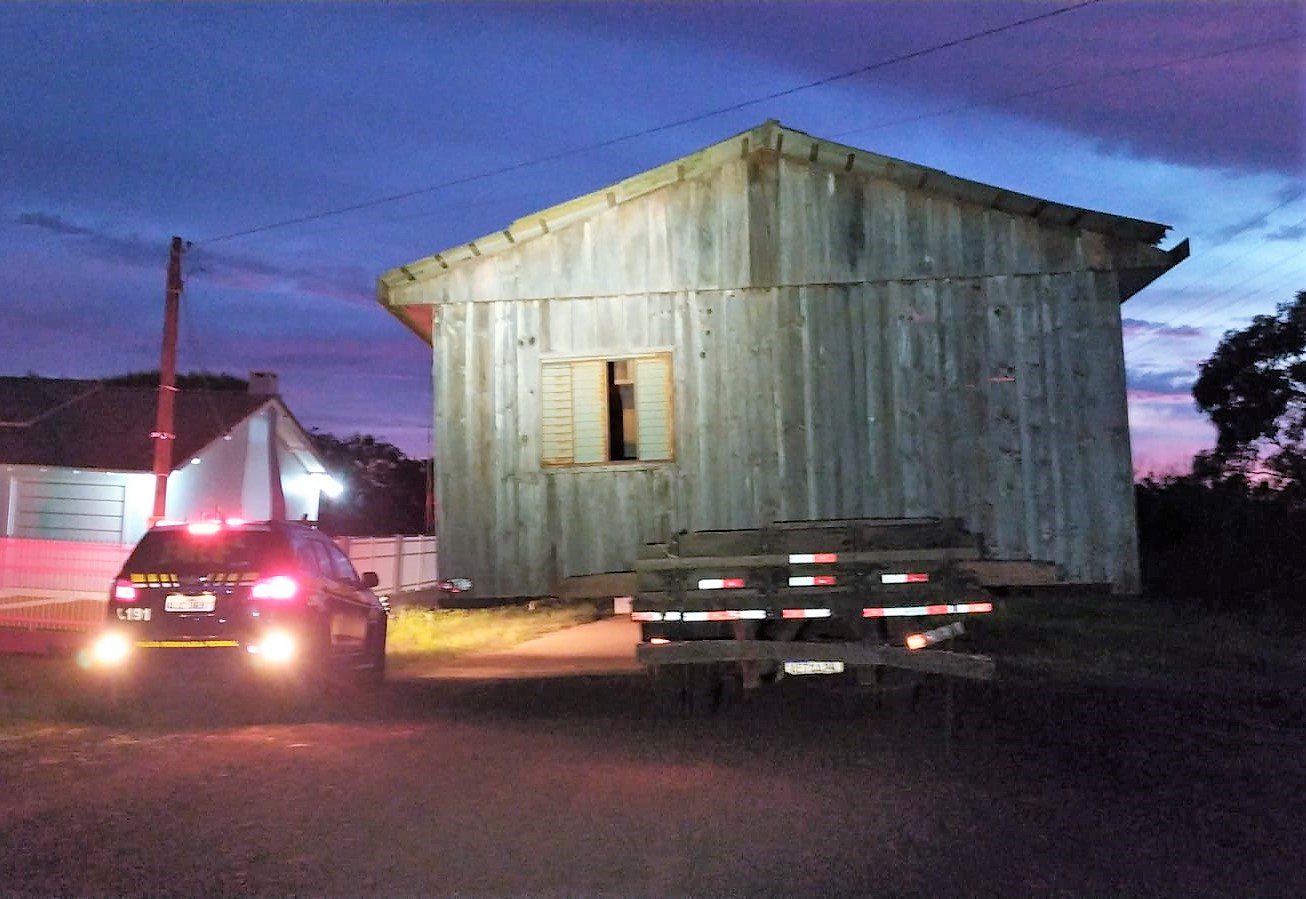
(606, 646)
(574, 786)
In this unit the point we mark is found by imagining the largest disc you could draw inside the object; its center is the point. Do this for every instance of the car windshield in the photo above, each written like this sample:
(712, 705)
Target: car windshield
(180, 551)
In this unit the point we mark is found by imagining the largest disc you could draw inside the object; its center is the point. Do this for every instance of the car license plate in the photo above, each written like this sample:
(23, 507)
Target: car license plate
(813, 667)
(181, 602)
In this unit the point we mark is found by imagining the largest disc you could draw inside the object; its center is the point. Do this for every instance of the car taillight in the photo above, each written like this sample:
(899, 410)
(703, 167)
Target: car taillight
(204, 528)
(123, 591)
(279, 587)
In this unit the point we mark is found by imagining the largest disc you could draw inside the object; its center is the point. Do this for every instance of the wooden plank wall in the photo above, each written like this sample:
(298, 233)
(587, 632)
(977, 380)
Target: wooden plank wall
(691, 234)
(864, 350)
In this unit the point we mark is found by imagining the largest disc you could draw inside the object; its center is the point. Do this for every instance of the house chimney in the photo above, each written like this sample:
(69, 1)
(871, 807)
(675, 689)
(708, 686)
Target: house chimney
(263, 383)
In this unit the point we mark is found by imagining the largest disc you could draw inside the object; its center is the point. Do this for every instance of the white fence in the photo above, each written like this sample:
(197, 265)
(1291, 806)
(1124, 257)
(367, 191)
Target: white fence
(56, 583)
(402, 563)
(64, 583)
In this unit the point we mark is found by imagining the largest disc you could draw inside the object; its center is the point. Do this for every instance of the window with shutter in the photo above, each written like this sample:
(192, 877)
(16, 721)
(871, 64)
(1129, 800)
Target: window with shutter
(589, 431)
(557, 427)
(598, 411)
(653, 407)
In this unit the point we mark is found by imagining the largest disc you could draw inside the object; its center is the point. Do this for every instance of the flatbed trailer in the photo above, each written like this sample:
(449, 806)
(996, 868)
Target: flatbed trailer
(858, 597)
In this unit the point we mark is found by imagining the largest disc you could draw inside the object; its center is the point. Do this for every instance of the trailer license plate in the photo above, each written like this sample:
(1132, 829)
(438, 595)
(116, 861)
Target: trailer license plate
(180, 602)
(813, 667)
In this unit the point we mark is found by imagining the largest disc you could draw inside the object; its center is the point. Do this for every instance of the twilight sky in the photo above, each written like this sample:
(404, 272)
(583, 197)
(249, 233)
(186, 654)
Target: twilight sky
(122, 125)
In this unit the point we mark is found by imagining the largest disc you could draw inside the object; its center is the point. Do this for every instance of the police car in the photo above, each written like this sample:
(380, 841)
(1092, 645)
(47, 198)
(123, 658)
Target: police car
(278, 599)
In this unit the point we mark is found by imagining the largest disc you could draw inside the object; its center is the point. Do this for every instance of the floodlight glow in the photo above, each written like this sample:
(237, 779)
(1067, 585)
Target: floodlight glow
(325, 484)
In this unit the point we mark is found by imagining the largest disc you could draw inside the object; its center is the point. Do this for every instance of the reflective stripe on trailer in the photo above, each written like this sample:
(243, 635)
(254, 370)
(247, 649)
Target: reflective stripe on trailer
(812, 580)
(724, 615)
(916, 577)
(812, 558)
(761, 614)
(713, 615)
(720, 583)
(917, 611)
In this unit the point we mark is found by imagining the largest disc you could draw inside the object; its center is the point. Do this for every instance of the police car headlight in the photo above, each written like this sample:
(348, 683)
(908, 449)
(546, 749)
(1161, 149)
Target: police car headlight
(277, 647)
(111, 649)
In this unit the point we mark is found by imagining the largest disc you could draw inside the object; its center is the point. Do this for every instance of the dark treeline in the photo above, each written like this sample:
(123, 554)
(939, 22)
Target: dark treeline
(1226, 544)
(385, 491)
(1232, 533)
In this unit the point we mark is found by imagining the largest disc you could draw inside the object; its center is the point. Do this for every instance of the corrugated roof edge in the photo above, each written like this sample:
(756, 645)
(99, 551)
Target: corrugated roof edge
(770, 135)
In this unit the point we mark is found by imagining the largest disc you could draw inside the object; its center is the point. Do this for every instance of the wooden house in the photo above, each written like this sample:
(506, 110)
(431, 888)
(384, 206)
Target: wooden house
(780, 327)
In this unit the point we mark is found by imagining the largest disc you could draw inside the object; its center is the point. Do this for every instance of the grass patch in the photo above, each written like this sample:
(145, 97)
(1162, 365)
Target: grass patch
(39, 687)
(1104, 636)
(419, 636)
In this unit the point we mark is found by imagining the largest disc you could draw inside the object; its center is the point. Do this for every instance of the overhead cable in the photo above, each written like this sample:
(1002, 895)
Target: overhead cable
(598, 145)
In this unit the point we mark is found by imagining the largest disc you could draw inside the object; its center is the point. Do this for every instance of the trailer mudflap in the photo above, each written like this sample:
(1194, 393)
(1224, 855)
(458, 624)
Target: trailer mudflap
(932, 661)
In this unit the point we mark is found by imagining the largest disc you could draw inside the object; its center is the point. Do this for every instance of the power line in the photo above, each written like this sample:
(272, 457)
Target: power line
(1205, 312)
(598, 145)
(1185, 317)
(1232, 287)
(1260, 217)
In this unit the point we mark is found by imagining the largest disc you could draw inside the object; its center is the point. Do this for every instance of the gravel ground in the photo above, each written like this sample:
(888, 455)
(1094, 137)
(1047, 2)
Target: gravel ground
(576, 786)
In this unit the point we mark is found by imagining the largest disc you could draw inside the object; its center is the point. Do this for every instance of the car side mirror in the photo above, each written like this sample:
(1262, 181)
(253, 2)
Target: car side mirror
(370, 579)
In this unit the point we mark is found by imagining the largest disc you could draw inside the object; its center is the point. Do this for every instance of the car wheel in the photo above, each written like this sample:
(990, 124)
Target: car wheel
(375, 671)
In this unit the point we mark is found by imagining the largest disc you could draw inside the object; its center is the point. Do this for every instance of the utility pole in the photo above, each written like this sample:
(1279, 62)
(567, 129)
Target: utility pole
(163, 433)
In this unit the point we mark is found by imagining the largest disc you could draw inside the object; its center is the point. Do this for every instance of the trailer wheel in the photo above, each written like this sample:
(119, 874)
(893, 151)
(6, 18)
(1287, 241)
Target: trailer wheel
(690, 690)
(893, 689)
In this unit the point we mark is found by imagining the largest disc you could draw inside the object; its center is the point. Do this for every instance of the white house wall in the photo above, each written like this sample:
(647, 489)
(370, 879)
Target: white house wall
(213, 487)
(300, 489)
(255, 435)
(233, 477)
(72, 504)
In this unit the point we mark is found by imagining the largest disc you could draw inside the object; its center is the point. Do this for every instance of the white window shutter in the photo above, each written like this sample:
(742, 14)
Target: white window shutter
(556, 403)
(653, 408)
(589, 411)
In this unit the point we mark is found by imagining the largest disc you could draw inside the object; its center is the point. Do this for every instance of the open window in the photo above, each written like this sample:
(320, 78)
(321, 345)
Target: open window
(599, 411)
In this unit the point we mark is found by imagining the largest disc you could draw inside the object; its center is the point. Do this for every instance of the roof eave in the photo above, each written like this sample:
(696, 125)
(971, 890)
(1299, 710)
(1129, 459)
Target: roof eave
(1134, 279)
(418, 318)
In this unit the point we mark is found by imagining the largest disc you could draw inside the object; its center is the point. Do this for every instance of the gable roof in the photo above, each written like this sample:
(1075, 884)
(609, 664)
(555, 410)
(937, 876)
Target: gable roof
(69, 423)
(787, 142)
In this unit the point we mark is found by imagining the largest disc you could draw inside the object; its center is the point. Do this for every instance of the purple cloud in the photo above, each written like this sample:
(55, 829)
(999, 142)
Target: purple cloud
(1288, 232)
(1153, 385)
(350, 283)
(1289, 194)
(1137, 327)
(134, 251)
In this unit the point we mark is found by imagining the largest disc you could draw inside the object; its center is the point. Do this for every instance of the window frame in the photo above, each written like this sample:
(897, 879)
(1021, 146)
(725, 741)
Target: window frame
(605, 360)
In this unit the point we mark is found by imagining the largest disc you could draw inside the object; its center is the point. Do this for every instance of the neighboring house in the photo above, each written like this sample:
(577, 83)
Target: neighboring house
(781, 327)
(77, 458)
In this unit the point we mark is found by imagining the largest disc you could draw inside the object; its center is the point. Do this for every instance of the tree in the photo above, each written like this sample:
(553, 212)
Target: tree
(196, 380)
(385, 491)
(1253, 388)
